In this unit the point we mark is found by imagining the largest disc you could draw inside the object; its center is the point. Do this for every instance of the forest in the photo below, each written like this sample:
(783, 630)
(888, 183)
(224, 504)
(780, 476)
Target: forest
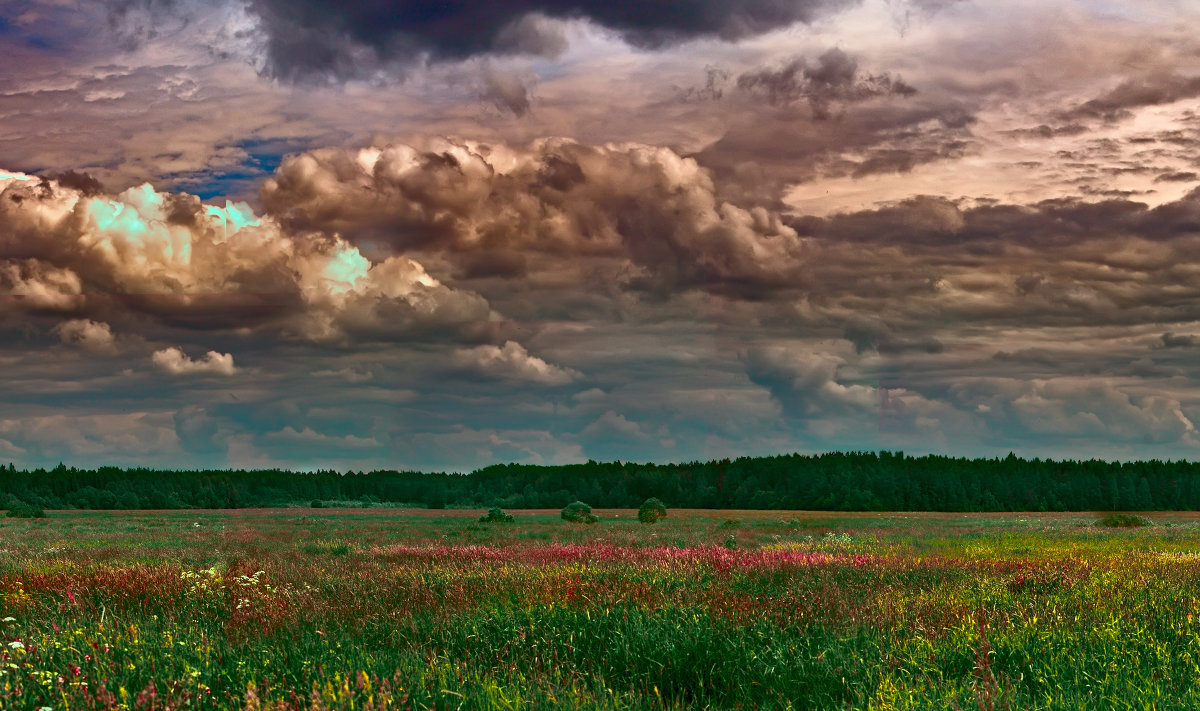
(851, 481)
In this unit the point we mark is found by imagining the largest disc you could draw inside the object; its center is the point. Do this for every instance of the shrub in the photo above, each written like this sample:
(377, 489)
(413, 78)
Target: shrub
(1120, 520)
(651, 510)
(25, 511)
(317, 504)
(496, 515)
(579, 512)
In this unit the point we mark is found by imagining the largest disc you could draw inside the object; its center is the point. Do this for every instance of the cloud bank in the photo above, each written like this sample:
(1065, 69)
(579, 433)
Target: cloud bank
(318, 38)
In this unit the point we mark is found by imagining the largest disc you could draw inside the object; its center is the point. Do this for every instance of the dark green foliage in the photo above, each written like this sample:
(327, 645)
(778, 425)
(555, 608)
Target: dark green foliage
(496, 515)
(830, 482)
(651, 510)
(1121, 520)
(25, 511)
(579, 512)
(317, 504)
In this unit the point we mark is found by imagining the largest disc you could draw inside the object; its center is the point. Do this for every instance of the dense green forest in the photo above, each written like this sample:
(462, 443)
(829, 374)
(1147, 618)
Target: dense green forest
(838, 481)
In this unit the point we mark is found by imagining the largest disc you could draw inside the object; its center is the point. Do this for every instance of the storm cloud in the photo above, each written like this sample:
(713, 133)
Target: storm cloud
(338, 40)
(262, 233)
(833, 77)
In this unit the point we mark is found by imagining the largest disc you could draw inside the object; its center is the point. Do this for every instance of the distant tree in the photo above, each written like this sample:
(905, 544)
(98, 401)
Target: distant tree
(26, 511)
(496, 515)
(651, 510)
(579, 512)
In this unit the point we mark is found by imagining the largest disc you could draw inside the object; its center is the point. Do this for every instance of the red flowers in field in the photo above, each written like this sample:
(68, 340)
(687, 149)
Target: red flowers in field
(715, 556)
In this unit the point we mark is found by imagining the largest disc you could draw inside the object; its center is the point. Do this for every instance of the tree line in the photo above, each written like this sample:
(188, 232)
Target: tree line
(848, 481)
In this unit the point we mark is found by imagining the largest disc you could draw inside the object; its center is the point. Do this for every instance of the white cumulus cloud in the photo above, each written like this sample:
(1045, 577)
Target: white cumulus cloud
(511, 362)
(175, 362)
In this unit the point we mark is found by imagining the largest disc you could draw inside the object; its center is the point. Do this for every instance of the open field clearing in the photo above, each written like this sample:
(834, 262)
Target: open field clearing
(384, 608)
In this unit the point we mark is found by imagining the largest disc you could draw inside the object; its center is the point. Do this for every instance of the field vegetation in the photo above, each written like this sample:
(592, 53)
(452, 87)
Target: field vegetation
(376, 609)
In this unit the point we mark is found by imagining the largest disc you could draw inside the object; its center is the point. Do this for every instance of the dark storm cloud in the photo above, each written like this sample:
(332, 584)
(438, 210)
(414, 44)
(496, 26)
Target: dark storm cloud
(1177, 177)
(833, 78)
(323, 38)
(764, 149)
(86, 184)
(927, 261)
(1178, 340)
(1119, 102)
(871, 334)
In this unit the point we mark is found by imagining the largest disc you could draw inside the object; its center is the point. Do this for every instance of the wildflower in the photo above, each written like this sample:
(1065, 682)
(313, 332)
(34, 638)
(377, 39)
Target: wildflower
(16, 645)
(8, 620)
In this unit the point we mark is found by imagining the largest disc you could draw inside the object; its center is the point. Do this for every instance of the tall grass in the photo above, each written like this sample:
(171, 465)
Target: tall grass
(376, 610)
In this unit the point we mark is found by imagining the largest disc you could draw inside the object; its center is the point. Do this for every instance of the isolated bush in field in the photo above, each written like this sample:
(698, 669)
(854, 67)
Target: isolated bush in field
(731, 523)
(579, 512)
(1120, 520)
(651, 510)
(317, 504)
(730, 542)
(25, 511)
(496, 515)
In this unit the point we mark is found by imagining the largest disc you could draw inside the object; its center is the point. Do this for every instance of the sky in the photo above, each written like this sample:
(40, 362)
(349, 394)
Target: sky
(440, 235)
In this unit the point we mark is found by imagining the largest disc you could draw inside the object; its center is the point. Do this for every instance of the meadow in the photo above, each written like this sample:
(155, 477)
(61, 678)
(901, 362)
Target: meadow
(408, 608)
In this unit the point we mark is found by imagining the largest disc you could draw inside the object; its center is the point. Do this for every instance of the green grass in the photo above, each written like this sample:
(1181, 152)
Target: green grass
(377, 608)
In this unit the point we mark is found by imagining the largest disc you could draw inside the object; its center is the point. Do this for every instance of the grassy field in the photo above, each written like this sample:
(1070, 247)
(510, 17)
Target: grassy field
(382, 609)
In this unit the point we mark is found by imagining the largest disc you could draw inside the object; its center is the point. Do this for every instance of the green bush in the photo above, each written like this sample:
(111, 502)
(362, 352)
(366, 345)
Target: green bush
(651, 510)
(496, 515)
(317, 504)
(25, 511)
(579, 512)
(1121, 520)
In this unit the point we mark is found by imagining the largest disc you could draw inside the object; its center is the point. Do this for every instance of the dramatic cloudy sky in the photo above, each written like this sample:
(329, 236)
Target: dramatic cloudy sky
(438, 235)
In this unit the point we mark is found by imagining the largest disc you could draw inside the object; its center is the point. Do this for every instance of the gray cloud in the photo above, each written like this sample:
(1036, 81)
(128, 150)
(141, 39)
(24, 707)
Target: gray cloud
(1153, 90)
(319, 38)
(87, 334)
(833, 78)
(506, 91)
(807, 383)
(1177, 177)
(763, 150)
(870, 334)
(1178, 340)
